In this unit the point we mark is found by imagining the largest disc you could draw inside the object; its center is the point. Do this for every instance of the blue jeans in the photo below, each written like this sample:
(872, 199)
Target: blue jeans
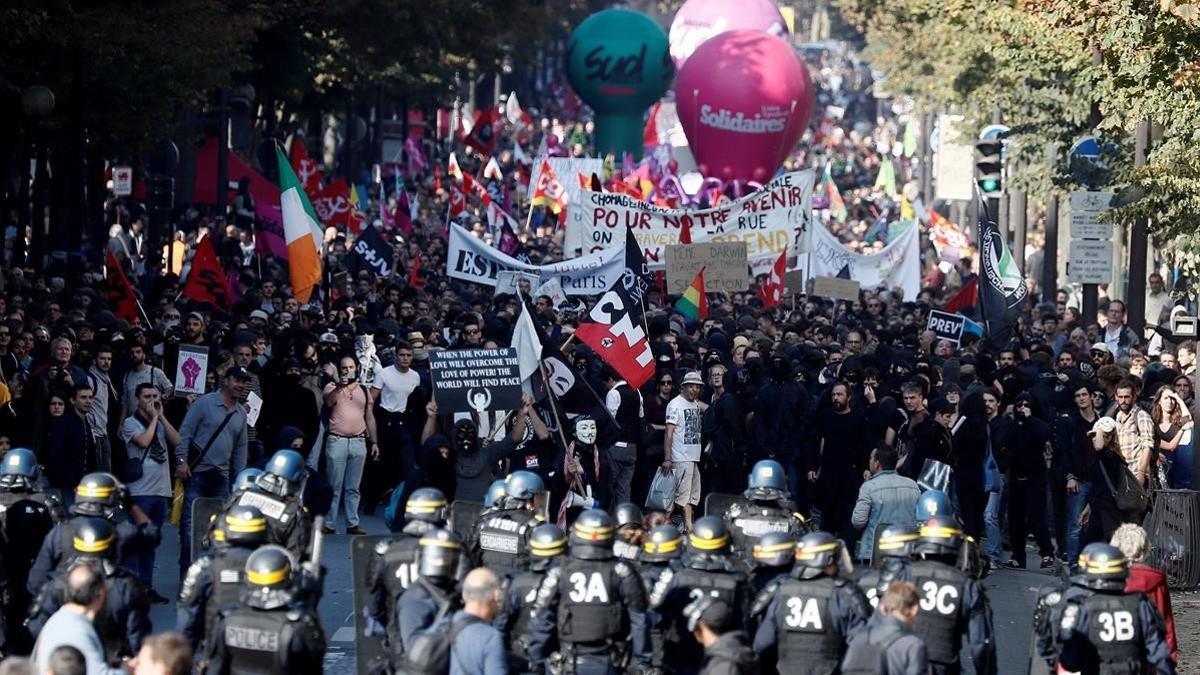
(991, 523)
(344, 462)
(208, 483)
(155, 509)
(1181, 471)
(1076, 501)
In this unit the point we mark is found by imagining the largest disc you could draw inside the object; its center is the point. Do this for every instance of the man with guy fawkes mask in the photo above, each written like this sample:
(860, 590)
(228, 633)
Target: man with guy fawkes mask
(583, 470)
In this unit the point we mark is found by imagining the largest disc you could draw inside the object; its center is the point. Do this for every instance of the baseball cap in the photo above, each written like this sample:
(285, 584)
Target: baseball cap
(196, 314)
(238, 372)
(710, 611)
(1100, 347)
(259, 314)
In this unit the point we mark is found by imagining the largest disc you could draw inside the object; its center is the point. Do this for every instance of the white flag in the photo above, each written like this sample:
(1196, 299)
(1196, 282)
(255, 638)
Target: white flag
(527, 344)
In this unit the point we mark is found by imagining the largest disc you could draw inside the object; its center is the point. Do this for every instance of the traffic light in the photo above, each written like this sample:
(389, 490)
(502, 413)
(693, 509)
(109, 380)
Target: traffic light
(989, 166)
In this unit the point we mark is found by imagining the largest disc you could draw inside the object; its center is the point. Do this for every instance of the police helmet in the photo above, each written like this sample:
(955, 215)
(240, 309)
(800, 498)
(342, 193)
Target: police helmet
(1103, 567)
(816, 551)
(284, 474)
(767, 481)
(933, 503)
(898, 541)
(94, 538)
(495, 493)
(268, 577)
(661, 544)
(774, 549)
(98, 494)
(940, 535)
(19, 468)
(523, 485)
(243, 526)
(426, 505)
(440, 552)
(628, 515)
(547, 542)
(592, 536)
(708, 535)
(246, 479)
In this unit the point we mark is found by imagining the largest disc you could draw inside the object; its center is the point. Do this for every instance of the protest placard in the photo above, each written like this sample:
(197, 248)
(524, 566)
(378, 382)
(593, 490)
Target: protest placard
(193, 365)
(947, 326)
(475, 380)
(510, 281)
(833, 288)
(254, 404)
(724, 264)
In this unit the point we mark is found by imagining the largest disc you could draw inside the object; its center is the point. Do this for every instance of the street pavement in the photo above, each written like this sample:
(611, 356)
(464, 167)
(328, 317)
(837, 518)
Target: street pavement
(1012, 595)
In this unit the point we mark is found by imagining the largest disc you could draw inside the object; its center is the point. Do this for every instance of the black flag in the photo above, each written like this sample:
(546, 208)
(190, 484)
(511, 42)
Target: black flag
(372, 252)
(1001, 285)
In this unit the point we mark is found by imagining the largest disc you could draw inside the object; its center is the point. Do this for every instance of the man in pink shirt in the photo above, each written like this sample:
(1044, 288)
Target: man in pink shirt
(351, 432)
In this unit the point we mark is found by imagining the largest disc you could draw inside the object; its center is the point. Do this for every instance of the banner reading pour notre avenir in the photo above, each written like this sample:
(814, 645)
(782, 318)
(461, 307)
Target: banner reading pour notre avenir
(768, 220)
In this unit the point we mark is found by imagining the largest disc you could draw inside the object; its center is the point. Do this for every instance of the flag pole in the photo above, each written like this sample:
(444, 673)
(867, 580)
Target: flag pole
(553, 407)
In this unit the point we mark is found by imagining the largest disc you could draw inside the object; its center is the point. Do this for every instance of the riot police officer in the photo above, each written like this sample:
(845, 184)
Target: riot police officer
(809, 615)
(953, 605)
(893, 553)
(661, 548)
(124, 621)
(246, 479)
(708, 566)
(432, 594)
(629, 531)
(766, 508)
(27, 514)
(270, 633)
(1107, 630)
(214, 580)
(98, 495)
(392, 568)
(772, 557)
(933, 503)
(500, 538)
(592, 604)
(547, 545)
(493, 495)
(936, 503)
(278, 496)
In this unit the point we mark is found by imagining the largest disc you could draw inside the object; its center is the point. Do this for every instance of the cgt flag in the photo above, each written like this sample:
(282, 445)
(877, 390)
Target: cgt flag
(1001, 284)
(614, 327)
(207, 282)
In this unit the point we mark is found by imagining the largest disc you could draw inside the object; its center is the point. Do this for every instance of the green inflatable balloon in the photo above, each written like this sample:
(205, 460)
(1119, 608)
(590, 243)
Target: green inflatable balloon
(618, 62)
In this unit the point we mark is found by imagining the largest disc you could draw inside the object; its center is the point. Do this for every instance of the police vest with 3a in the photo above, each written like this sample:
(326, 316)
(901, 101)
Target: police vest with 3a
(1106, 630)
(269, 634)
(500, 540)
(809, 615)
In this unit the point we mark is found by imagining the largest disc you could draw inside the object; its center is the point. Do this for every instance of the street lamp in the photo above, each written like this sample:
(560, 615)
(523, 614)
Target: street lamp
(37, 102)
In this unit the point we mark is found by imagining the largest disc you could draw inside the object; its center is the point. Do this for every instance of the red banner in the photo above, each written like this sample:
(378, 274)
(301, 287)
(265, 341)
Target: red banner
(333, 205)
(207, 282)
(120, 293)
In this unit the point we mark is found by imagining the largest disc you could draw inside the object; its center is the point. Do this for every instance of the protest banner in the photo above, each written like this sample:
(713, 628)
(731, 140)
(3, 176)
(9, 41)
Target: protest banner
(193, 365)
(475, 380)
(833, 288)
(945, 325)
(896, 265)
(510, 281)
(724, 264)
(470, 259)
(568, 169)
(793, 282)
(373, 253)
(776, 217)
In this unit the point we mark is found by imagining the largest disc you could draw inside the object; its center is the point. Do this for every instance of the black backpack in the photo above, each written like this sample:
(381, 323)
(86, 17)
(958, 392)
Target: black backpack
(867, 656)
(430, 650)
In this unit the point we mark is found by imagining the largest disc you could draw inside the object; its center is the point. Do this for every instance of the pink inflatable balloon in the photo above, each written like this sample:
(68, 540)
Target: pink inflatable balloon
(744, 99)
(700, 20)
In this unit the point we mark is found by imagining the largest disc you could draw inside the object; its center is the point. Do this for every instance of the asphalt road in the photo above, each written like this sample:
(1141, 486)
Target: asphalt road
(1012, 595)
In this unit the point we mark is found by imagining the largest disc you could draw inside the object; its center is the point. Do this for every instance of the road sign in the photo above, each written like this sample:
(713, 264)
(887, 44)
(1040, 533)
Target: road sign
(1090, 262)
(122, 177)
(1086, 208)
(993, 131)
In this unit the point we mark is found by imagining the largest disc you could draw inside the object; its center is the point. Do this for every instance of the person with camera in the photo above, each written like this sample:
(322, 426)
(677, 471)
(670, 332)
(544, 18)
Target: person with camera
(147, 434)
(351, 432)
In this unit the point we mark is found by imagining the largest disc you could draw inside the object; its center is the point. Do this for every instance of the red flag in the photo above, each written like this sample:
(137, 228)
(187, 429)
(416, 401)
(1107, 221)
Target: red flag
(458, 202)
(207, 282)
(771, 292)
(414, 275)
(685, 230)
(333, 205)
(965, 298)
(306, 168)
(402, 216)
(549, 191)
(614, 326)
(121, 296)
(482, 136)
(650, 134)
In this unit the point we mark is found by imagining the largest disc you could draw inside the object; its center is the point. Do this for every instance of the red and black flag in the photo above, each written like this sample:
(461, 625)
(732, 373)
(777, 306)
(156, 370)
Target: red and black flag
(207, 282)
(120, 293)
(615, 327)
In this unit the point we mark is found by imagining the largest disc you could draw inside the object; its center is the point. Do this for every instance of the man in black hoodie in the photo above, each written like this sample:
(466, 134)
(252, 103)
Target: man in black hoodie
(726, 650)
(1027, 482)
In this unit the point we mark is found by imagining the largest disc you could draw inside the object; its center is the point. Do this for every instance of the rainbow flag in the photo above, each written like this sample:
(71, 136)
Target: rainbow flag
(694, 303)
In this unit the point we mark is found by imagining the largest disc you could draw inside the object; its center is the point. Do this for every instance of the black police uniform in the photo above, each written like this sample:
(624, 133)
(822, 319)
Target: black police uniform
(500, 539)
(212, 582)
(661, 548)
(953, 606)
(25, 519)
(288, 524)
(873, 582)
(748, 520)
(392, 570)
(520, 594)
(432, 595)
(1046, 647)
(809, 621)
(719, 575)
(131, 540)
(1113, 633)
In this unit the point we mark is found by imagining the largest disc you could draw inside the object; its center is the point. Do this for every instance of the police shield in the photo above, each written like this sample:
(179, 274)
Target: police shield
(204, 510)
(371, 655)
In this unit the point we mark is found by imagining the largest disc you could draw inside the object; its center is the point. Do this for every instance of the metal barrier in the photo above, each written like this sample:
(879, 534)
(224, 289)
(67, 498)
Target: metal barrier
(1173, 527)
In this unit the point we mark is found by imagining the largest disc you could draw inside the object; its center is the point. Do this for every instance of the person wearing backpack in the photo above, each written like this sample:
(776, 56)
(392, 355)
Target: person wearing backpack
(431, 597)
(887, 645)
(462, 642)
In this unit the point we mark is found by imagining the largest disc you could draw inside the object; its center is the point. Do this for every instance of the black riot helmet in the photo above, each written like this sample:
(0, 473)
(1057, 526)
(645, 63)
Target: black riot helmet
(815, 552)
(439, 555)
(940, 536)
(592, 536)
(898, 541)
(767, 482)
(774, 549)
(98, 494)
(1103, 567)
(546, 543)
(628, 515)
(269, 582)
(244, 526)
(663, 543)
(94, 538)
(708, 536)
(18, 469)
(427, 505)
(246, 479)
(284, 474)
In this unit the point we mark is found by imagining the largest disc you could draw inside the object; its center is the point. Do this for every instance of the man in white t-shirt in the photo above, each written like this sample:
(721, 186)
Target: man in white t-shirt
(683, 443)
(391, 388)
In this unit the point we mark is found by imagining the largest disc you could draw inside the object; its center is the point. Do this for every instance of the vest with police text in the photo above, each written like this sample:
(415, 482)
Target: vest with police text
(502, 538)
(257, 641)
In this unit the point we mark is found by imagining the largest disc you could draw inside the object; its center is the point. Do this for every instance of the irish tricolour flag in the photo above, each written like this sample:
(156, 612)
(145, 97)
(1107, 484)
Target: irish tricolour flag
(302, 231)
